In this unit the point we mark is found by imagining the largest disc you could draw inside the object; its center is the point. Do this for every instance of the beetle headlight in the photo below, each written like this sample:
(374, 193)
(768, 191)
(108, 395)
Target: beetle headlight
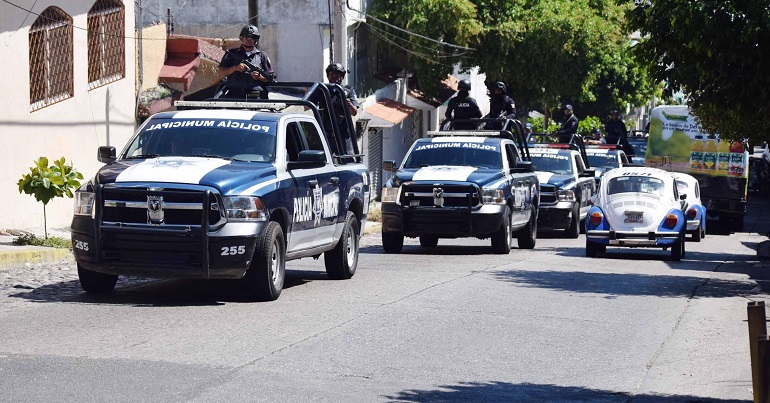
(84, 203)
(245, 208)
(389, 195)
(492, 196)
(567, 195)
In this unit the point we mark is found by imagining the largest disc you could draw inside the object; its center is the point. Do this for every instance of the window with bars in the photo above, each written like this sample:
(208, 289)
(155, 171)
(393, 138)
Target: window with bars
(50, 58)
(106, 43)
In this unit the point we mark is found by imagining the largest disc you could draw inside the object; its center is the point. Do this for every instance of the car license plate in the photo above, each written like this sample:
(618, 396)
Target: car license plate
(633, 217)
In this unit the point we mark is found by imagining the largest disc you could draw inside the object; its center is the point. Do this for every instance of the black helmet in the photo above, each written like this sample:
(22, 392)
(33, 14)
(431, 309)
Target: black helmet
(501, 85)
(250, 31)
(464, 85)
(338, 67)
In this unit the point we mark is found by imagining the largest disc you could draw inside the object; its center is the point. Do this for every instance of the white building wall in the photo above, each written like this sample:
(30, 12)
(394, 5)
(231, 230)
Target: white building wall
(72, 128)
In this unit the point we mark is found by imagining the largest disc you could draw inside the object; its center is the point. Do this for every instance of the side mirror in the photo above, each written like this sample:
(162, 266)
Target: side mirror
(308, 159)
(106, 154)
(683, 196)
(389, 166)
(523, 167)
(588, 173)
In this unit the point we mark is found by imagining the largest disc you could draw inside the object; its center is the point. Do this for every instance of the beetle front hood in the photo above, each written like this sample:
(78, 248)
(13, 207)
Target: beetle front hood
(622, 207)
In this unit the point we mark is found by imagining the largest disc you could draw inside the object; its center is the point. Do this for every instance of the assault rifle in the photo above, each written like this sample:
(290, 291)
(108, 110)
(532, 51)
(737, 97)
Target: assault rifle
(253, 67)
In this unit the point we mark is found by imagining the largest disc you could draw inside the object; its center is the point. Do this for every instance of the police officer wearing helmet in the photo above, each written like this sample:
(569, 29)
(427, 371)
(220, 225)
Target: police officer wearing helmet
(239, 81)
(463, 106)
(335, 73)
(501, 106)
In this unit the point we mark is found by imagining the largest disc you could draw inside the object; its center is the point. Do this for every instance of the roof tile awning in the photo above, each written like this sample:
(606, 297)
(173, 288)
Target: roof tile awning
(387, 113)
(181, 63)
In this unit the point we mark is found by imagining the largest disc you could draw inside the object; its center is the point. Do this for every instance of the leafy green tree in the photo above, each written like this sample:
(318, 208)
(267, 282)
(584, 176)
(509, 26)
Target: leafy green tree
(717, 52)
(546, 51)
(46, 182)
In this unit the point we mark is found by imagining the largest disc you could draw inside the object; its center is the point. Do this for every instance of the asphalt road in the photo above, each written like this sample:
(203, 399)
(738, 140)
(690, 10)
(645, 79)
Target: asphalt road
(455, 323)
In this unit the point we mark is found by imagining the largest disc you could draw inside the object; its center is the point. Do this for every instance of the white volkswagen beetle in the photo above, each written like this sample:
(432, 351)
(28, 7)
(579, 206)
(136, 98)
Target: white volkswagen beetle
(637, 207)
(695, 211)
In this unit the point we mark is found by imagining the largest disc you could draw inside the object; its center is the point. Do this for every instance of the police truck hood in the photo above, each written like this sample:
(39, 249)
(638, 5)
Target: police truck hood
(442, 173)
(559, 180)
(227, 176)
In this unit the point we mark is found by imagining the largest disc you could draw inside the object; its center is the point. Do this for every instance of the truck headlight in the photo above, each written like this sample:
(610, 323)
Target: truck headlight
(84, 203)
(389, 195)
(492, 196)
(567, 196)
(245, 208)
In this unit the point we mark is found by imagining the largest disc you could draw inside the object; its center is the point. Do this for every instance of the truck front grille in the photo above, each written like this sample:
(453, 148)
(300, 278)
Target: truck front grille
(427, 195)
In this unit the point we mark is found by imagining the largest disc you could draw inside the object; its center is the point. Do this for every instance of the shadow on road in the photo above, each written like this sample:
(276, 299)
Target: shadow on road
(617, 284)
(161, 292)
(529, 392)
(445, 250)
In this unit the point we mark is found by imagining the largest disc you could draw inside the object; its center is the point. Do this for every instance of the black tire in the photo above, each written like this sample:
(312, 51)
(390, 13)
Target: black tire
(592, 248)
(503, 238)
(428, 241)
(392, 242)
(696, 237)
(574, 227)
(94, 282)
(341, 262)
(527, 236)
(265, 277)
(737, 222)
(677, 249)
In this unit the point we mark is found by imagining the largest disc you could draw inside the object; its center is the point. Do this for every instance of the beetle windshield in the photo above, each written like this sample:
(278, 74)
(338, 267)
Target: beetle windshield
(635, 184)
(223, 138)
(485, 155)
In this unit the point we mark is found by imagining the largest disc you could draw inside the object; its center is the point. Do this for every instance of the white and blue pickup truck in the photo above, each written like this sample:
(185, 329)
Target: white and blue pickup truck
(223, 190)
(454, 184)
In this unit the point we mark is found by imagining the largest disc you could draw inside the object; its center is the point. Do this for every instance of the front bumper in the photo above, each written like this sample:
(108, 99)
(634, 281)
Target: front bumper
(452, 222)
(555, 217)
(632, 238)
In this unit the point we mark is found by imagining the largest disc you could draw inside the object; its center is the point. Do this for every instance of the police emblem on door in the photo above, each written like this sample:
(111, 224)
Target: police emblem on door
(155, 210)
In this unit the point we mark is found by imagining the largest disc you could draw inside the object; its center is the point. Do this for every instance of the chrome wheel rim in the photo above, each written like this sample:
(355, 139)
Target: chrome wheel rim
(276, 268)
(352, 246)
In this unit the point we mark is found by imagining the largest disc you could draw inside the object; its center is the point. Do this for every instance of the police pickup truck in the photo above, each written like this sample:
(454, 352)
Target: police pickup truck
(477, 183)
(605, 157)
(225, 190)
(566, 185)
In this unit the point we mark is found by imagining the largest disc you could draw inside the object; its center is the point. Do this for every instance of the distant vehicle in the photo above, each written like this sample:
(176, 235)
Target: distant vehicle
(637, 207)
(638, 141)
(694, 209)
(676, 143)
(602, 158)
(759, 170)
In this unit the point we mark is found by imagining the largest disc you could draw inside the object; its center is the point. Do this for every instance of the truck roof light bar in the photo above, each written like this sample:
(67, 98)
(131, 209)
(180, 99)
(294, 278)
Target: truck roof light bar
(460, 133)
(230, 105)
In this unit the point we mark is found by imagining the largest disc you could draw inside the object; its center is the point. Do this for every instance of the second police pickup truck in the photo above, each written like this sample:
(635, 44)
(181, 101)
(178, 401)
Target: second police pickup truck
(228, 190)
(566, 185)
(454, 184)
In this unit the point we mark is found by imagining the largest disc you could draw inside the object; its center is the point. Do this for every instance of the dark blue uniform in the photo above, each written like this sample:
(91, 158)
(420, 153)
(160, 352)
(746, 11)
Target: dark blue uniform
(461, 107)
(238, 83)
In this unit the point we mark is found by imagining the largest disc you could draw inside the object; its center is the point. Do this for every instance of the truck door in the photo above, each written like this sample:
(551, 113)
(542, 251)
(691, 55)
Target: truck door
(303, 226)
(585, 187)
(327, 201)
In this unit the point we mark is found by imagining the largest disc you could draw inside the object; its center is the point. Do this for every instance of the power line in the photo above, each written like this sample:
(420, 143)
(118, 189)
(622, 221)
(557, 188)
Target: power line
(419, 55)
(442, 54)
(406, 31)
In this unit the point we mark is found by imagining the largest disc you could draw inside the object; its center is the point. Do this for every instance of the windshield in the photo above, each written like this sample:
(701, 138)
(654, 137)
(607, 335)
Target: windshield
(551, 162)
(638, 184)
(243, 140)
(483, 155)
(639, 146)
(603, 160)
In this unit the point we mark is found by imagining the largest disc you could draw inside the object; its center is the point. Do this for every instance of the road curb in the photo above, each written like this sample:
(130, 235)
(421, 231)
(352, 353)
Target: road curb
(32, 257)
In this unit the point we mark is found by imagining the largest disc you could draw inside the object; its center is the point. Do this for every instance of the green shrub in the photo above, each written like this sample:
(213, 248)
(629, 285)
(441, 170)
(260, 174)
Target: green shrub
(51, 242)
